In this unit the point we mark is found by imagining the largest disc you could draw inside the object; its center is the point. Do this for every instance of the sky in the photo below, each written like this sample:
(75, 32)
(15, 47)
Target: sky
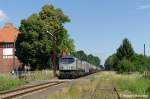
(97, 26)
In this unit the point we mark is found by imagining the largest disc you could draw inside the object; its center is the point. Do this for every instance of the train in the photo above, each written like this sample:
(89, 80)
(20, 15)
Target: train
(72, 67)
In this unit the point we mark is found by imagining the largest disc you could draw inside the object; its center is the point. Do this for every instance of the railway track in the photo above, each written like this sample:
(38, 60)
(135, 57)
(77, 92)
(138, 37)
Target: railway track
(110, 90)
(29, 89)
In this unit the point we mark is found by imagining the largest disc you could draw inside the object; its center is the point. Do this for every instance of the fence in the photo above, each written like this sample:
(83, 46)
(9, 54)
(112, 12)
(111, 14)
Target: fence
(31, 75)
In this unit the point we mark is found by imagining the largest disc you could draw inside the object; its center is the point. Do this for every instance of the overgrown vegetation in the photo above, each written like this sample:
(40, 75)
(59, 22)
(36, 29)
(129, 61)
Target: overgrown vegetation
(134, 86)
(38, 75)
(7, 83)
(101, 86)
(126, 60)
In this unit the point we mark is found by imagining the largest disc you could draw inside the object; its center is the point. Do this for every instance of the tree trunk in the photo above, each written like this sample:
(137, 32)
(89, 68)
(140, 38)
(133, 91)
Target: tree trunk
(54, 64)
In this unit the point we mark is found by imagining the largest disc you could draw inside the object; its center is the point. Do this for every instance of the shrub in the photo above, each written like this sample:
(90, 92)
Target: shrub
(125, 66)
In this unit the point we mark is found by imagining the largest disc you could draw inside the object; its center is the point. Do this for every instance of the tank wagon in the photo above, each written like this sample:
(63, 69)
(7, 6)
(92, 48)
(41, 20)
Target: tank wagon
(72, 67)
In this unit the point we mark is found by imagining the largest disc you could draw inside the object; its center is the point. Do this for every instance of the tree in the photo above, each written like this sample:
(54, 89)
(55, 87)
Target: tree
(125, 66)
(126, 60)
(67, 46)
(125, 50)
(93, 60)
(97, 61)
(88, 58)
(122, 57)
(109, 63)
(81, 55)
(141, 63)
(42, 38)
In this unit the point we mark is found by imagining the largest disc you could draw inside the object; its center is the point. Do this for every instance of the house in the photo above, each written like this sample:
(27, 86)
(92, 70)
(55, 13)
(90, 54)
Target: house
(8, 60)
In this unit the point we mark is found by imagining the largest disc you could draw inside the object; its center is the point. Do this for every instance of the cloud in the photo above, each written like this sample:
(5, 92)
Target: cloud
(142, 7)
(3, 16)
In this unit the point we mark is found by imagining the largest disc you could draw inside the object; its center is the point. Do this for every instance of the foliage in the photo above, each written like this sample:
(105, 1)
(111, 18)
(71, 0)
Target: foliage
(125, 66)
(80, 54)
(89, 58)
(141, 62)
(43, 38)
(125, 50)
(7, 83)
(126, 60)
(133, 86)
(111, 62)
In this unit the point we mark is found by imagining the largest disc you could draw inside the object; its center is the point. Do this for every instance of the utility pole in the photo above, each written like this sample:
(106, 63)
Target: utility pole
(144, 50)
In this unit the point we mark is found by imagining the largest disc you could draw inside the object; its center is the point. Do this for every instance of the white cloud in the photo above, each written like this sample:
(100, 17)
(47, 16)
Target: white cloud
(144, 7)
(3, 16)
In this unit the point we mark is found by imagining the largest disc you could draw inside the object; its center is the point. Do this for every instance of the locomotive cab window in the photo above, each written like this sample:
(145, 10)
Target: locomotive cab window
(67, 60)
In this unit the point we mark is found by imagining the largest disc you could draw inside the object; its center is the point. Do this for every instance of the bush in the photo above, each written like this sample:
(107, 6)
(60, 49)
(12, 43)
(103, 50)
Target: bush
(125, 66)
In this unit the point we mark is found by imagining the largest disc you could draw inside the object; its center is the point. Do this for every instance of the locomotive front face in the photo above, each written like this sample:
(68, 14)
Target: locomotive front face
(67, 63)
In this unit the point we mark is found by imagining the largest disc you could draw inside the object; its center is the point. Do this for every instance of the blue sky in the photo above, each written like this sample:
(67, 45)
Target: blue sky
(97, 26)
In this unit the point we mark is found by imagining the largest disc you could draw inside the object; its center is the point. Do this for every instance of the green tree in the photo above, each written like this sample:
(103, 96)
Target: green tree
(42, 38)
(141, 63)
(125, 50)
(125, 66)
(88, 58)
(126, 60)
(97, 61)
(81, 55)
(123, 56)
(111, 62)
(93, 60)
(67, 47)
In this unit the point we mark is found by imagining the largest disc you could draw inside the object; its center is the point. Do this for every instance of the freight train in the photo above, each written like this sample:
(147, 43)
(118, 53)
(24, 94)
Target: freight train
(72, 67)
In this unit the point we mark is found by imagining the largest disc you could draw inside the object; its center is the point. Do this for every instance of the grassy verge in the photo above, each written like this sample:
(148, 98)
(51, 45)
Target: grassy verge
(91, 88)
(138, 86)
(38, 75)
(7, 83)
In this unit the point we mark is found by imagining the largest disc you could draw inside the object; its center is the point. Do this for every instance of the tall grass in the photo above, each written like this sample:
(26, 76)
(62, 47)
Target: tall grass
(134, 86)
(90, 88)
(7, 83)
(38, 75)
(84, 89)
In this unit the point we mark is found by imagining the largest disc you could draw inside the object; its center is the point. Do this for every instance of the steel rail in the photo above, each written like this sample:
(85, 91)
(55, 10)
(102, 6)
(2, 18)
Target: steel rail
(118, 96)
(22, 91)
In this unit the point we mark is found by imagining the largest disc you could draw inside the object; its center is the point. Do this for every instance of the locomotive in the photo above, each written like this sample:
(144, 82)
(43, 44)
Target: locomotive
(72, 67)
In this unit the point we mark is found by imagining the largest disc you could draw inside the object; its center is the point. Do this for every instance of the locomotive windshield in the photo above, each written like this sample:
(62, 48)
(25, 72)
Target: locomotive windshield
(67, 60)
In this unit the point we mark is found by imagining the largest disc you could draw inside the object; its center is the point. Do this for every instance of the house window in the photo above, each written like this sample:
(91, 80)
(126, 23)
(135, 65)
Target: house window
(7, 45)
(7, 53)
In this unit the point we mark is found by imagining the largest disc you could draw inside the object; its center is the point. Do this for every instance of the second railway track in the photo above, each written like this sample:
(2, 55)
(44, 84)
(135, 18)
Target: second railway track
(25, 90)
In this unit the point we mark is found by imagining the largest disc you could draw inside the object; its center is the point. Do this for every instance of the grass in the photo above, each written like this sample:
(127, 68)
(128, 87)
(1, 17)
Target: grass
(38, 75)
(7, 83)
(136, 86)
(72, 92)
(91, 88)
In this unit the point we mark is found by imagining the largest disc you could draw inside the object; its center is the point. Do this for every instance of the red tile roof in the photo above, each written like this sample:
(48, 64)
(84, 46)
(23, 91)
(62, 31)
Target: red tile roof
(8, 33)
